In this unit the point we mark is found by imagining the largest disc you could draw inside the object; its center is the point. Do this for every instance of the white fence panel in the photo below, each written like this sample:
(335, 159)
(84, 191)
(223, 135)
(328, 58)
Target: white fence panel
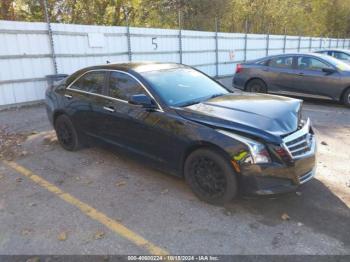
(198, 49)
(230, 51)
(154, 44)
(77, 46)
(26, 54)
(276, 43)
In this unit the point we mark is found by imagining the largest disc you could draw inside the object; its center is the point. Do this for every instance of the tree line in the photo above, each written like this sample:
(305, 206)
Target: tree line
(327, 18)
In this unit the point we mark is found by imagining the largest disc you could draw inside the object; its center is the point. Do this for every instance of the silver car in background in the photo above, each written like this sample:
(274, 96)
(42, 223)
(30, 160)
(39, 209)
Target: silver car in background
(341, 54)
(307, 75)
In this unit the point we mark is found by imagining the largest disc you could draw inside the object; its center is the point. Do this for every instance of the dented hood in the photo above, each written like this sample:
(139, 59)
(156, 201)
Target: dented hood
(266, 116)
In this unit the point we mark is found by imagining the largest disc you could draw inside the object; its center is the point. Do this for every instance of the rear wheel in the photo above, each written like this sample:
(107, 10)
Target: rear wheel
(257, 86)
(66, 134)
(346, 98)
(210, 176)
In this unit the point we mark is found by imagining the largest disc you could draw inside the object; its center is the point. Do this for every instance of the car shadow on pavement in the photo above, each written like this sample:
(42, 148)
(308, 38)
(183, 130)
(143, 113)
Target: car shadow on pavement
(315, 206)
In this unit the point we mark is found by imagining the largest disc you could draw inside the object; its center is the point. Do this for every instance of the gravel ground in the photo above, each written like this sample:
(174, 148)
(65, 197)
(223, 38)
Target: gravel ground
(161, 208)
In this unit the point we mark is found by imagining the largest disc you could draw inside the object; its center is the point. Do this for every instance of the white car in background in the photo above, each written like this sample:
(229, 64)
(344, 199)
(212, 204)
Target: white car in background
(341, 54)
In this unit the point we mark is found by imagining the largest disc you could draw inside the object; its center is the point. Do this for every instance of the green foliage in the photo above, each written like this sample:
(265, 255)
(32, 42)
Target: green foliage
(299, 17)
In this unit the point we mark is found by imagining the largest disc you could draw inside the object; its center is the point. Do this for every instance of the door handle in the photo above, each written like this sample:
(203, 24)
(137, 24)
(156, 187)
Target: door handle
(109, 108)
(68, 96)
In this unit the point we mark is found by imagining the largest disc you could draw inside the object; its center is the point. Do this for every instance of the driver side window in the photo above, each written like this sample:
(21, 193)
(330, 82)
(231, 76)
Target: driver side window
(123, 86)
(310, 63)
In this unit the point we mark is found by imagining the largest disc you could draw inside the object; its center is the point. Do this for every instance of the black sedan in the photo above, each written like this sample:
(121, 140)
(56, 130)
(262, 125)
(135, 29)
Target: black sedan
(189, 124)
(308, 75)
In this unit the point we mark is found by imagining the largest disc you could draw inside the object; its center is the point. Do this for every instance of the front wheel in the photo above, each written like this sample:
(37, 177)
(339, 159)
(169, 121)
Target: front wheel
(210, 176)
(346, 98)
(257, 86)
(66, 134)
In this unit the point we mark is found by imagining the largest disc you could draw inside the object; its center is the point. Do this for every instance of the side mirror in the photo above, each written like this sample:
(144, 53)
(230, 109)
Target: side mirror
(328, 71)
(142, 100)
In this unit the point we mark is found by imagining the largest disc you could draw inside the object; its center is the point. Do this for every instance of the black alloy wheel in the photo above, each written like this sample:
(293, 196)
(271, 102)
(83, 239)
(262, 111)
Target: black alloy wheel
(346, 98)
(210, 176)
(66, 133)
(256, 86)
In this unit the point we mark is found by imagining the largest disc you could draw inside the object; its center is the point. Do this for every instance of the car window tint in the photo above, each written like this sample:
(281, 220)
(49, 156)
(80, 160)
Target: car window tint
(341, 56)
(282, 62)
(309, 63)
(123, 86)
(92, 82)
(262, 62)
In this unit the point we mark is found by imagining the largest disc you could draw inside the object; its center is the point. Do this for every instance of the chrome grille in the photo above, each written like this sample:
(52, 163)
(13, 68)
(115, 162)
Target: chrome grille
(301, 142)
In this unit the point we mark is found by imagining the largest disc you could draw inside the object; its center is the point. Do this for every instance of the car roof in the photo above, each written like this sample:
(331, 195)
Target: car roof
(334, 49)
(141, 66)
(299, 54)
(289, 54)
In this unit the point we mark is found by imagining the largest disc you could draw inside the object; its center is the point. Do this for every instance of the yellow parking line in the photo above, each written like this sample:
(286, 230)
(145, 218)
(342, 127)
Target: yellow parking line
(89, 211)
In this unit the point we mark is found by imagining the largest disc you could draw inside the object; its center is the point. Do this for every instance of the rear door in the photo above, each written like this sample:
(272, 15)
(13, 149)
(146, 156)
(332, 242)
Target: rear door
(312, 80)
(81, 96)
(281, 73)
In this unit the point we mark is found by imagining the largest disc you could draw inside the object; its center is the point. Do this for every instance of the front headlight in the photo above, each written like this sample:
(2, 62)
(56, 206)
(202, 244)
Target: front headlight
(300, 116)
(258, 151)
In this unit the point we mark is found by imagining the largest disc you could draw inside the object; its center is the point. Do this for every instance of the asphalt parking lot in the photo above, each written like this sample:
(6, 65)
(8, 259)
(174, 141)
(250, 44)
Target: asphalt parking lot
(95, 201)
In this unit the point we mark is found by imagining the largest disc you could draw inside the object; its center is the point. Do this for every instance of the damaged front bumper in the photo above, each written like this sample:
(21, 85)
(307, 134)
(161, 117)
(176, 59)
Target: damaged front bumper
(284, 175)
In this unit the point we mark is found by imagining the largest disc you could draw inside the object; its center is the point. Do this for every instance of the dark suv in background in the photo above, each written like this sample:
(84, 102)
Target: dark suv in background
(308, 75)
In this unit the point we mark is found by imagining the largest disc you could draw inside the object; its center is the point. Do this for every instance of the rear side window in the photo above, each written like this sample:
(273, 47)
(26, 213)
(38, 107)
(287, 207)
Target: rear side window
(262, 62)
(282, 62)
(91, 82)
(123, 86)
(310, 63)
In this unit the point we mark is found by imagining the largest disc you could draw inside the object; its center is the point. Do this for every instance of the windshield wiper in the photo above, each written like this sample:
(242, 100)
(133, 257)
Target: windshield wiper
(189, 103)
(215, 95)
(198, 100)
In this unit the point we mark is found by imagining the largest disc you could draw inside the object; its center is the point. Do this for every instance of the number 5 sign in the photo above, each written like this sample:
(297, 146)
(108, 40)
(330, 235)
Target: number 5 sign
(155, 45)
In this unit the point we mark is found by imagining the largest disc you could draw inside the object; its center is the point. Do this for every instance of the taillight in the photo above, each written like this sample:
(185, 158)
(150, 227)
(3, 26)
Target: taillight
(238, 68)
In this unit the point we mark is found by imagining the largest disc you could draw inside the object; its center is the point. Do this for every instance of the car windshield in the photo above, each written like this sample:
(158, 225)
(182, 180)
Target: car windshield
(183, 86)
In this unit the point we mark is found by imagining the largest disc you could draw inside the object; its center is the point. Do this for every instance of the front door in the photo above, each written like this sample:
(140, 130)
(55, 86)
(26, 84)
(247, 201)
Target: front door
(312, 80)
(132, 126)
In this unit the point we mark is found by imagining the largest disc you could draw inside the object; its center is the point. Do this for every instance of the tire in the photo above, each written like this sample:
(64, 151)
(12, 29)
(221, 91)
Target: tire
(257, 86)
(66, 134)
(210, 176)
(346, 98)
